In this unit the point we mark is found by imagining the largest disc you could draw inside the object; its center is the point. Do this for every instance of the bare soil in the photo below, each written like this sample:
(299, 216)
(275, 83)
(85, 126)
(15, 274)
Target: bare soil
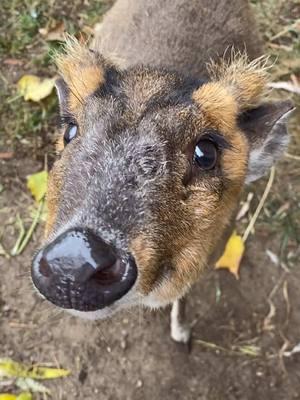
(237, 347)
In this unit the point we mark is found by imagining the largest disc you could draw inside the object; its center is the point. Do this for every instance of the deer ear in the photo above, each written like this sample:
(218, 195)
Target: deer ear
(266, 129)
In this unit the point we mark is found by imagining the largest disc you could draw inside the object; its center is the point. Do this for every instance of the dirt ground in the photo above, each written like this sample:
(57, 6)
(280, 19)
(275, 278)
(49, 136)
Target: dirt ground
(243, 330)
(238, 342)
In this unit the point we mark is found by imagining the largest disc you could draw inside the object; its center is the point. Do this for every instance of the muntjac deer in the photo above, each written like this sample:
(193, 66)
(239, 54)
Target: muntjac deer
(154, 153)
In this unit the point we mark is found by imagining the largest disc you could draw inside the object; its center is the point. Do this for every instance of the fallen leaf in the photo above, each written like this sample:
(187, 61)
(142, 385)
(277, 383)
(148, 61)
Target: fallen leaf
(33, 88)
(32, 385)
(10, 368)
(37, 184)
(232, 255)
(48, 373)
(24, 396)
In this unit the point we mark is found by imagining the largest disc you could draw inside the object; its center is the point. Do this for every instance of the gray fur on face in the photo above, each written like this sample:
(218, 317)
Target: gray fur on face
(112, 181)
(132, 139)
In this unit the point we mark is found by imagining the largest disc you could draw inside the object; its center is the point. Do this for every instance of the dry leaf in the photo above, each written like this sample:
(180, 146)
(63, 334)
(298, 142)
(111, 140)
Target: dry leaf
(10, 368)
(24, 396)
(232, 255)
(21, 396)
(37, 184)
(33, 88)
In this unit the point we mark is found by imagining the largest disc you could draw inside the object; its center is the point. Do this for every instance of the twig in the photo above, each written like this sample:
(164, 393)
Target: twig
(33, 225)
(260, 205)
(287, 29)
(214, 346)
(267, 325)
(249, 351)
(282, 351)
(14, 251)
(292, 156)
(287, 302)
(288, 86)
(13, 99)
(3, 252)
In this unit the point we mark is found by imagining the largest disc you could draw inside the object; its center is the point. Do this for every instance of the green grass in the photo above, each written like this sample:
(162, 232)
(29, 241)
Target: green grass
(27, 126)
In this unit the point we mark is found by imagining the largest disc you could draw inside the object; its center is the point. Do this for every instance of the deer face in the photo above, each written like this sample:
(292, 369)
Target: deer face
(150, 170)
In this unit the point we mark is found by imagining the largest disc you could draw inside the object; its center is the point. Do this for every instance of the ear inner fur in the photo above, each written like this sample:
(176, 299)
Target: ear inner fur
(234, 87)
(245, 81)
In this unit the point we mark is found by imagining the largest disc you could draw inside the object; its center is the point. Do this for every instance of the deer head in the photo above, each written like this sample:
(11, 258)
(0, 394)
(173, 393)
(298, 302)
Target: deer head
(150, 169)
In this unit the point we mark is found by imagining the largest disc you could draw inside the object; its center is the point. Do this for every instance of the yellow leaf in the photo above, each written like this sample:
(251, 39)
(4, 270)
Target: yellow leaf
(33, 88)
(37, 184)
(21, 396)
(47, 373)
(10, 368)
(24, 396)
(232, 255)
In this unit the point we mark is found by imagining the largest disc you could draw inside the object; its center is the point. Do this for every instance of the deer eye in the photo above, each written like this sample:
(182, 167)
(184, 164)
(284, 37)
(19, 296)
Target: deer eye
(205, 154)
(70, 133)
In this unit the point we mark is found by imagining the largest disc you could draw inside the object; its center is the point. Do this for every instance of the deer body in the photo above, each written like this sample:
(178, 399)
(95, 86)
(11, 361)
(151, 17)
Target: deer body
(178, 34)
(154, 153)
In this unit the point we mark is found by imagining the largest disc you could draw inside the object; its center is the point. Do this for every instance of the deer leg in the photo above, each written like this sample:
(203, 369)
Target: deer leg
(180, 329)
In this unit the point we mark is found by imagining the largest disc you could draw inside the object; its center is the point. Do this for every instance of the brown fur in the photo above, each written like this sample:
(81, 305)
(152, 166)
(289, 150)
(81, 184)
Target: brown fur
(55, 182)
(81, 70)
(233, 87)
(188, 221)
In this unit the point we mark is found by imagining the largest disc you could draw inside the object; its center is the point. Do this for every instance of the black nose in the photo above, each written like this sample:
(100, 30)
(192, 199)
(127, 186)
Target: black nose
(79, 270)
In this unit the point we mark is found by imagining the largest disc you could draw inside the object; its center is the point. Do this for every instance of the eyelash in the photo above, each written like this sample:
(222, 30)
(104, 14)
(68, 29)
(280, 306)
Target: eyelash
(218, 139)
(65, 120)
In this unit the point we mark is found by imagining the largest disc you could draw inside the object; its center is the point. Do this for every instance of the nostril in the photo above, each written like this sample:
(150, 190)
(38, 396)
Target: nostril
(44, 268)
(111, 274)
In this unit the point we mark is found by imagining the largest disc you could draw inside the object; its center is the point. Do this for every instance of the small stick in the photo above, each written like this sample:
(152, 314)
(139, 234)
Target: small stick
(15, 249)
(31, 229)
(260, 205)
(288, 86)
(292, 156)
